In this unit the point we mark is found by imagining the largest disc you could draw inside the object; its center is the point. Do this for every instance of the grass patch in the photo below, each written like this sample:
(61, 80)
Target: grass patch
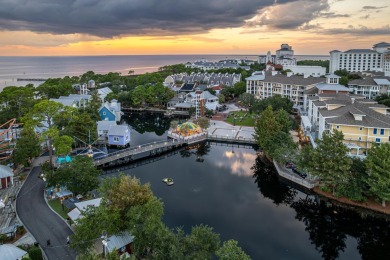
(57, 207)
(241, 118)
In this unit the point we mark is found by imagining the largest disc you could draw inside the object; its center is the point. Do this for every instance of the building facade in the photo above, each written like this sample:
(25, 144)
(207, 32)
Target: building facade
(267, 84)
(362, 121)
(284, 56)
(370, 87)
(359, 60)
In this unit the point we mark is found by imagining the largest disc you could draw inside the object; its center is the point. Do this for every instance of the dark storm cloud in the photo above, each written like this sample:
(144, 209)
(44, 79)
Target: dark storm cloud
(107, 18)
(291, 15)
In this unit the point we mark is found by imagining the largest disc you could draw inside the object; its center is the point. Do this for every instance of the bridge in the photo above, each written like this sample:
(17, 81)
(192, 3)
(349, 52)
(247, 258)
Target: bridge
(127, 155)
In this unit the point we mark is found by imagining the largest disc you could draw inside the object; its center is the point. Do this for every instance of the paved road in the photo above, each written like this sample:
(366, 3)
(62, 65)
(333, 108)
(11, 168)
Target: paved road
(43, 223)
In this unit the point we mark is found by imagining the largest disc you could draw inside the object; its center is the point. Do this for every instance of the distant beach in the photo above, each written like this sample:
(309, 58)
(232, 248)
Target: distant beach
(12, 68)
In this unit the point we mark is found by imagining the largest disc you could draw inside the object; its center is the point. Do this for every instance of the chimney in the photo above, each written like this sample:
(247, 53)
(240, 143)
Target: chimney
(289, 74)
(353, 100)
(305, 76)
(274, 72)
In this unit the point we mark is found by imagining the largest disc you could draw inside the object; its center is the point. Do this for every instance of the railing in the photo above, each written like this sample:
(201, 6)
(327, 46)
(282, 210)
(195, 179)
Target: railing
(231, 139)
(282, 171)
(135, 150)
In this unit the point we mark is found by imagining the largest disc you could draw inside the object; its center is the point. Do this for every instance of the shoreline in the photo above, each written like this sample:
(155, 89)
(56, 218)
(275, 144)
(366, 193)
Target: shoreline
(369, 206)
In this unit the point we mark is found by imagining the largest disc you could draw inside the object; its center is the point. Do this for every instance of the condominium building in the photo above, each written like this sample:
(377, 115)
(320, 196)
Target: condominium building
(267, 84)
(362, 121)
(370, 87)
(359, 60)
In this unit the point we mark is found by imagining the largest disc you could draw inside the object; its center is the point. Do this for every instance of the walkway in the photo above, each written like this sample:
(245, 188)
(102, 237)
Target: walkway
(40, 220)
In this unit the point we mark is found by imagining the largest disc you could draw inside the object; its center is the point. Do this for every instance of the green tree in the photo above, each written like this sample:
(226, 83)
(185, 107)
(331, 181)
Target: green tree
(93, 107)
(44, 112)
(138, 96)
(247, 100)
(27, 147)
(95, 222)
(231, 251)
(201, 243)
(329, 161)
(239, 88)
(282, 147)
(355, 187)
(63, 145)
(378, 166)
(221, 98)
(80, 176)
(125, 192)
(203, 122)
(16, 102)
(266, 128)
(284, 120)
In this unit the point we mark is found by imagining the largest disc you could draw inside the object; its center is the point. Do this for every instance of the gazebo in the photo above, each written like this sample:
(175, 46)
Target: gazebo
(6, 177)
(188, 129)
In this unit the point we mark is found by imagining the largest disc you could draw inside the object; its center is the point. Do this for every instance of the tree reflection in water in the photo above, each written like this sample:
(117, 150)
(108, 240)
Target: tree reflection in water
(267, 180)
(145, 122)
(328, 226)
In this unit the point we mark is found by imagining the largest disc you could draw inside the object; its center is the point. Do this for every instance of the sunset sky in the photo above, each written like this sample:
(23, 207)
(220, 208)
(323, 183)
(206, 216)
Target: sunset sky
(250, 27)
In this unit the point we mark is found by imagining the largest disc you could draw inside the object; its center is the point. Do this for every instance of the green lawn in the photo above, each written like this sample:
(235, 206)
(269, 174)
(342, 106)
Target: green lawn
(56, 206)
(242, 118)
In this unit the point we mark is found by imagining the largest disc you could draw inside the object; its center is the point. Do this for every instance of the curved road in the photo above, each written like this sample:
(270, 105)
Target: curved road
(41, 221)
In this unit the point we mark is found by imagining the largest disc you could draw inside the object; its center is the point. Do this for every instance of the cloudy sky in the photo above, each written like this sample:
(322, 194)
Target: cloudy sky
(112, 27)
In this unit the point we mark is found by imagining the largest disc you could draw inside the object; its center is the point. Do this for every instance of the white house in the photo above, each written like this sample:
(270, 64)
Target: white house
(103, 127)
(76, 213)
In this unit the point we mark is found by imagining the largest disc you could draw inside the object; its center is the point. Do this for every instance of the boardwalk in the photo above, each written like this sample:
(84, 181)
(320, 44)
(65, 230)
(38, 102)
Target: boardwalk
(127, 155)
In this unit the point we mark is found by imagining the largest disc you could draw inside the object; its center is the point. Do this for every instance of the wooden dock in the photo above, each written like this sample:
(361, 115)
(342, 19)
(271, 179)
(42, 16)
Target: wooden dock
(126, 155)
(151, 149)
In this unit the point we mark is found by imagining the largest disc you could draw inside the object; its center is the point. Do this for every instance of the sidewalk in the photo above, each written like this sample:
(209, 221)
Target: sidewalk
(221, 128)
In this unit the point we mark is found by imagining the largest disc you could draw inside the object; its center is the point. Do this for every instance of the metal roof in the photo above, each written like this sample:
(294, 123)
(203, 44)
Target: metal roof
(382, 81)
(5, 171)
(118, 241)
(11, 252)
(105, 125)
(119, 130)
(84, 204)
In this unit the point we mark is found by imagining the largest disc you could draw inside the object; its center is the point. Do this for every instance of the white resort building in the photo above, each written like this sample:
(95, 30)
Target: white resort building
(359, 60)
(284, 56)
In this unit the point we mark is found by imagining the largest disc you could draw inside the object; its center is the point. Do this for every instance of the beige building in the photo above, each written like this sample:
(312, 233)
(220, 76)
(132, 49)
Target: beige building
(362, 121)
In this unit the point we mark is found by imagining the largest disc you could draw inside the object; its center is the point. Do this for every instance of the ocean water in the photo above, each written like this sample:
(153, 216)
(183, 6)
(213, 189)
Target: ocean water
(12, 68)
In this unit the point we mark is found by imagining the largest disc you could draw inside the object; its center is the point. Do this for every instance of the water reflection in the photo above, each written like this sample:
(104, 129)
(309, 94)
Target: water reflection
(241, 197)
(145, 122)
(328, 226)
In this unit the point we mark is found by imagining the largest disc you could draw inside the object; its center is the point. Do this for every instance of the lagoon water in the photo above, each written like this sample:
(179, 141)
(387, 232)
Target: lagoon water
(239, 195)
(44, 67)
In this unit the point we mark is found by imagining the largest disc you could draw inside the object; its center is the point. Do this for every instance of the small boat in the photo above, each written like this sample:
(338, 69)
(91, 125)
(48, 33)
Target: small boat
(168, 181)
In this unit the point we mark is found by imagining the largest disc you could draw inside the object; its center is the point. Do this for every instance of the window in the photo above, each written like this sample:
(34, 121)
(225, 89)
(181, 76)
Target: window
(337, 126)
(116, 139)
(360, 138)
(104, 113)
(382, 131)
(375, 131)
(377, 140)
(361, 128)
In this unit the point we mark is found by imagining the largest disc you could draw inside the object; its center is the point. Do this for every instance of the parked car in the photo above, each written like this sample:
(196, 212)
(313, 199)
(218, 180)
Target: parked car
(289, 165)
(299, 172)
